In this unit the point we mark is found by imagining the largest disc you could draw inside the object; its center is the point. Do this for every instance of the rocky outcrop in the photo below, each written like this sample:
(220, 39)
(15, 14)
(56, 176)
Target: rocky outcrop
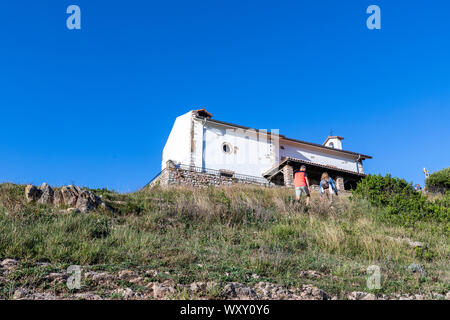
(8, 263)
(163, 290)
(70, 195)
(58, 199)
(142, 284)
(277, 292)
(127, 293)
(418, 269)
(76, 199)
(356, 295)
(32, 193)
(47, 195)
(25, 294)
(87, 201)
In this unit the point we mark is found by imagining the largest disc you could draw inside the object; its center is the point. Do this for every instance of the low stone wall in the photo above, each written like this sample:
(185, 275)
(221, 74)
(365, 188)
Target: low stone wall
(193, 177)
(180, 177)
(176, 176)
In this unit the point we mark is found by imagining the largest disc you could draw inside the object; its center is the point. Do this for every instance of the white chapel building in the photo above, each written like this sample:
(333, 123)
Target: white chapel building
(201, 144)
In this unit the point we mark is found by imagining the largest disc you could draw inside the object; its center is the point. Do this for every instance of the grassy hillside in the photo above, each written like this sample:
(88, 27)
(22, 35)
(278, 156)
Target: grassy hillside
(235, 234)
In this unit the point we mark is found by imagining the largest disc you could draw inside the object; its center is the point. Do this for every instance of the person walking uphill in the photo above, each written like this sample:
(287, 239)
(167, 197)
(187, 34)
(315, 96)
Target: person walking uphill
(327, 187)
(301, 184)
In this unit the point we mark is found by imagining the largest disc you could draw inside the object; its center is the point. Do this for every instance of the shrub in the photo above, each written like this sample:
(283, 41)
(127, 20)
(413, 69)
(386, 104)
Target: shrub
(424, 253)
(394, 193)
(439, 181)
(400, 201)
(100, 228)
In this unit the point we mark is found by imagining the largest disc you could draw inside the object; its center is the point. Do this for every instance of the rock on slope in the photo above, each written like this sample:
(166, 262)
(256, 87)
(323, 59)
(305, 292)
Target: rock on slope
(71, 196)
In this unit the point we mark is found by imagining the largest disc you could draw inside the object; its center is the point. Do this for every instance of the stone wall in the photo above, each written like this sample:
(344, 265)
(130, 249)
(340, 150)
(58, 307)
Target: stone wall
(172, 176)
(340, 184)
(176, 176)
(288, 175)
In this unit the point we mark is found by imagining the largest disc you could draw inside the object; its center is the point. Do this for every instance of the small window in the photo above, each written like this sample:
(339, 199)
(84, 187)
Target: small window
(331, 145)
(282, 147)
(226, 147)
(226, 173)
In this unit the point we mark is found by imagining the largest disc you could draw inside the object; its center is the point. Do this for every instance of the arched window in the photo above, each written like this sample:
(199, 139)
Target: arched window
(331, 145)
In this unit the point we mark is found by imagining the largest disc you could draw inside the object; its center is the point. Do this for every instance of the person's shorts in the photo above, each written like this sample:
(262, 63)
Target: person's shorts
(300, 190)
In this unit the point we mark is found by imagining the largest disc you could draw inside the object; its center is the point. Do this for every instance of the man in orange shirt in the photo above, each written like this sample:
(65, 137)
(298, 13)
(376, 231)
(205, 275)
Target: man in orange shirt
(301, 184)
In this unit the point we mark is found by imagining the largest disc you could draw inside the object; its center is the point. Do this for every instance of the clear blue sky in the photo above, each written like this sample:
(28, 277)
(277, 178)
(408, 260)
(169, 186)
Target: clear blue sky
(95, 106)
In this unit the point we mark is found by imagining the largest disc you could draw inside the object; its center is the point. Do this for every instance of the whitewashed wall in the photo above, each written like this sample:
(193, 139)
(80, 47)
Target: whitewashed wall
(251, 153)
(343, 161)
(178, 145)
(248, 155)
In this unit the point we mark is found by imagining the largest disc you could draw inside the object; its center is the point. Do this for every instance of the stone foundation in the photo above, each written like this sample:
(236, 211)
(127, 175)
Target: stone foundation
(198, 177)
(182, 177)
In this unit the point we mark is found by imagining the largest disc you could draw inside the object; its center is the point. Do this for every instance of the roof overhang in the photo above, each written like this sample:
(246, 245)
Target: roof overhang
(289, 161)
(359, 156)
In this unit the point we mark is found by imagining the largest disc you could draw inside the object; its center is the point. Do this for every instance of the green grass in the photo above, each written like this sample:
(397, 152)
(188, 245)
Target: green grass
(227, 235)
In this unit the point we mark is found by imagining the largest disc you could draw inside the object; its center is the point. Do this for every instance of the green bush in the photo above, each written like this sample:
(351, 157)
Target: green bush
(391, 192)
(439, 181)
(400, 201)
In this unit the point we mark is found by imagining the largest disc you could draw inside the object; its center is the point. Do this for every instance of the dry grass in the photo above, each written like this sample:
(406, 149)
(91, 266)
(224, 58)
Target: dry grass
(232, 233)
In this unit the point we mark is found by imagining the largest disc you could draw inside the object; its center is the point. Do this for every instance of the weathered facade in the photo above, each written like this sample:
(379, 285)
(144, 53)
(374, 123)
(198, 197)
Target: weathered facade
(204, 151)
